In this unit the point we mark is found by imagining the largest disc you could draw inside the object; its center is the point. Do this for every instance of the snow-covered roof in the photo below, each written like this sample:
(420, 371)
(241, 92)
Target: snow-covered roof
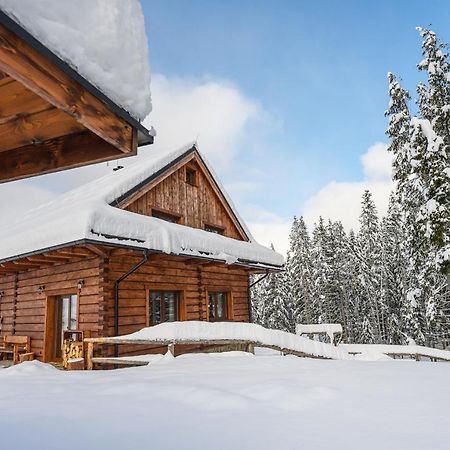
(103, 40)
(87, 214)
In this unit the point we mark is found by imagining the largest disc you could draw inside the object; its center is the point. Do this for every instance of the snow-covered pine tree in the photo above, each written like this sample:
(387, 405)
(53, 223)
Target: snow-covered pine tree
(298, 268)
(369, 248)
(258, 300)
(394, 273)
(433, 164)
(272, 301)
(333, 253)
(318, 273)
(410, 197)
(353, 291)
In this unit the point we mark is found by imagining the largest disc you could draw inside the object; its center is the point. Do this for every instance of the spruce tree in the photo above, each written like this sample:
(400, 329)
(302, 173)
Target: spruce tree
(369, 244)
(298, 268)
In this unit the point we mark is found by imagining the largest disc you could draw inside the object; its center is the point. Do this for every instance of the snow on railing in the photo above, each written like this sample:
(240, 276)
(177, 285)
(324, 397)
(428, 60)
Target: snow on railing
(414, 351)
(223, 333)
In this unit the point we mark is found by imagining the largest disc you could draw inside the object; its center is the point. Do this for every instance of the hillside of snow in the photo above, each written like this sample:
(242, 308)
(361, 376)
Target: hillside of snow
(104, 40)
(228, 401)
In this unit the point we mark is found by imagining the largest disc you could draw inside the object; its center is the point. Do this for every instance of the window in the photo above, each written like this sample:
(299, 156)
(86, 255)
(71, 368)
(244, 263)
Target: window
(166, 215)
(214, 229)
(164, 307)
(217, 306)
(191, 176)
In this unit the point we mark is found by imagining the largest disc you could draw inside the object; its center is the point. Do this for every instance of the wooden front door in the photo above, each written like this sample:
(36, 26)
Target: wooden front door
(62, 315)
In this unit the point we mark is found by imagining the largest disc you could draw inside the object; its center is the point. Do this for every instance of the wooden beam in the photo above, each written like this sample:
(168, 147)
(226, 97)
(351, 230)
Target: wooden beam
(97, 250)
(16, 100)
(5, 79)
(41, 261)
(78, 253)
(55, 154)
(23, 63)
(36, 128)
(45, 258)
(25, 263)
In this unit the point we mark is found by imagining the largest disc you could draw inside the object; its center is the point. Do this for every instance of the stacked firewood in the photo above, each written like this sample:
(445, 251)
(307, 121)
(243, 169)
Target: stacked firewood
(72, 350)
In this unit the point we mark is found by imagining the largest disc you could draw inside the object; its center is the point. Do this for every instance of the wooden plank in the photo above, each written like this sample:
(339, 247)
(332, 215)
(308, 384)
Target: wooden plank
(119, 361)
(16, 100)
(20, 61)
(36, 128)
(55, 154)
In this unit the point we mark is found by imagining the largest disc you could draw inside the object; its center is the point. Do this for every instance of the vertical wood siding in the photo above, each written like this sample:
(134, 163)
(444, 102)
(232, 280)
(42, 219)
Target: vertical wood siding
(196, 204)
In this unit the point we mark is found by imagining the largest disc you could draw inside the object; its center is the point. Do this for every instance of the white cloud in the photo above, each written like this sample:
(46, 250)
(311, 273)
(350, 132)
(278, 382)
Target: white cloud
(342, 200)
(377, 162)
(267, 228)
(214, 112)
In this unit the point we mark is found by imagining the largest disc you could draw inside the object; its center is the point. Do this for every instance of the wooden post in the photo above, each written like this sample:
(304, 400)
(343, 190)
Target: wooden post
(89, 356)
(171, 348)
(250, 348)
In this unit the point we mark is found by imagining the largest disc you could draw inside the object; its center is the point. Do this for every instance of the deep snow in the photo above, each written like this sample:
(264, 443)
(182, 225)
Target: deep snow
(234, 401)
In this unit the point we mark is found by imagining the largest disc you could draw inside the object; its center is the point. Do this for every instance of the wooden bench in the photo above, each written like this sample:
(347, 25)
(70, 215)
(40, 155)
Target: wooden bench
(17, 346)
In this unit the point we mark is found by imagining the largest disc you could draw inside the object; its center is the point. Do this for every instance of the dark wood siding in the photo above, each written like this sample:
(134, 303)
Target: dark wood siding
(171, 273)
(198, 205)
(23, 307)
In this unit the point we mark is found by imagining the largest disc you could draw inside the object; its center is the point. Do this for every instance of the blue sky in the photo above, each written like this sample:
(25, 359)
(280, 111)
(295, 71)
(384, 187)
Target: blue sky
(285, 97)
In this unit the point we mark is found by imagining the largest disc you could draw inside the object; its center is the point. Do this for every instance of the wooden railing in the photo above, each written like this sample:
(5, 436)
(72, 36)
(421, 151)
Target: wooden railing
(244, 345)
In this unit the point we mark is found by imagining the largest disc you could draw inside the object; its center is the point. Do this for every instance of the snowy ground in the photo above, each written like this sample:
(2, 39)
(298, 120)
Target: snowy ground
(228, 401)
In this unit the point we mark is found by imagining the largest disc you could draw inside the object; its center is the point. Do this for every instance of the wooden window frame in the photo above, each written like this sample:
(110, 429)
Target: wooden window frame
(165, 288)
(48, 346)
(229, 300)
(194, 171)
(164, 212)
(216, 227)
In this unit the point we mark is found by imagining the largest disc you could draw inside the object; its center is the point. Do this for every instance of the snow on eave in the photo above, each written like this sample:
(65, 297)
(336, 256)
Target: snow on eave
(102, 42)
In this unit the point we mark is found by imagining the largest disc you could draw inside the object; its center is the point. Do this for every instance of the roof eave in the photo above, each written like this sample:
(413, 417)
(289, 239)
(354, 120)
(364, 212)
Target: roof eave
(145, 136)
(240, 261)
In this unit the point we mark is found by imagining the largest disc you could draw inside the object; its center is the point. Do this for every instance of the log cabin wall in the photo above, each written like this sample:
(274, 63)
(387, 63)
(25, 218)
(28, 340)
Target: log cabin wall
(197, 204)
(23, 307)
(187, 277)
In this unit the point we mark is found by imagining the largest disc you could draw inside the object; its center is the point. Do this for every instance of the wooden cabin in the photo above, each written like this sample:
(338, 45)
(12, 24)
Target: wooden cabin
(157, 241)
(51, 117)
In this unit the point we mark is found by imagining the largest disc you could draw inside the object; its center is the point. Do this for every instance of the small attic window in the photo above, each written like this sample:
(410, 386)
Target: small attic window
(214, 229)
(168, 216)
(191, 176)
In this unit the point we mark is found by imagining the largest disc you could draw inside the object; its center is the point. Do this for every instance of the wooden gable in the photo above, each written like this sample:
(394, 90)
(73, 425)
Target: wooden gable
(51, 118)
(186, 193)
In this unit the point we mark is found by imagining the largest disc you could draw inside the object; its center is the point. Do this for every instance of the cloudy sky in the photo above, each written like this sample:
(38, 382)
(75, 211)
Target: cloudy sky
(285, 98)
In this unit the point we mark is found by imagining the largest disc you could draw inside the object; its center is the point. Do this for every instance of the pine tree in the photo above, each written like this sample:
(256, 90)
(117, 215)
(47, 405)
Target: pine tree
(354, 291)
(318, 273)
(373, 308)
(298, 268)
(394, 274)
(433, 163)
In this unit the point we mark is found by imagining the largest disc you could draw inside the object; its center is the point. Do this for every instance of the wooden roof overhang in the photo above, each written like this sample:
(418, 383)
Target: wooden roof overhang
(51, 118)
(90, 248)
